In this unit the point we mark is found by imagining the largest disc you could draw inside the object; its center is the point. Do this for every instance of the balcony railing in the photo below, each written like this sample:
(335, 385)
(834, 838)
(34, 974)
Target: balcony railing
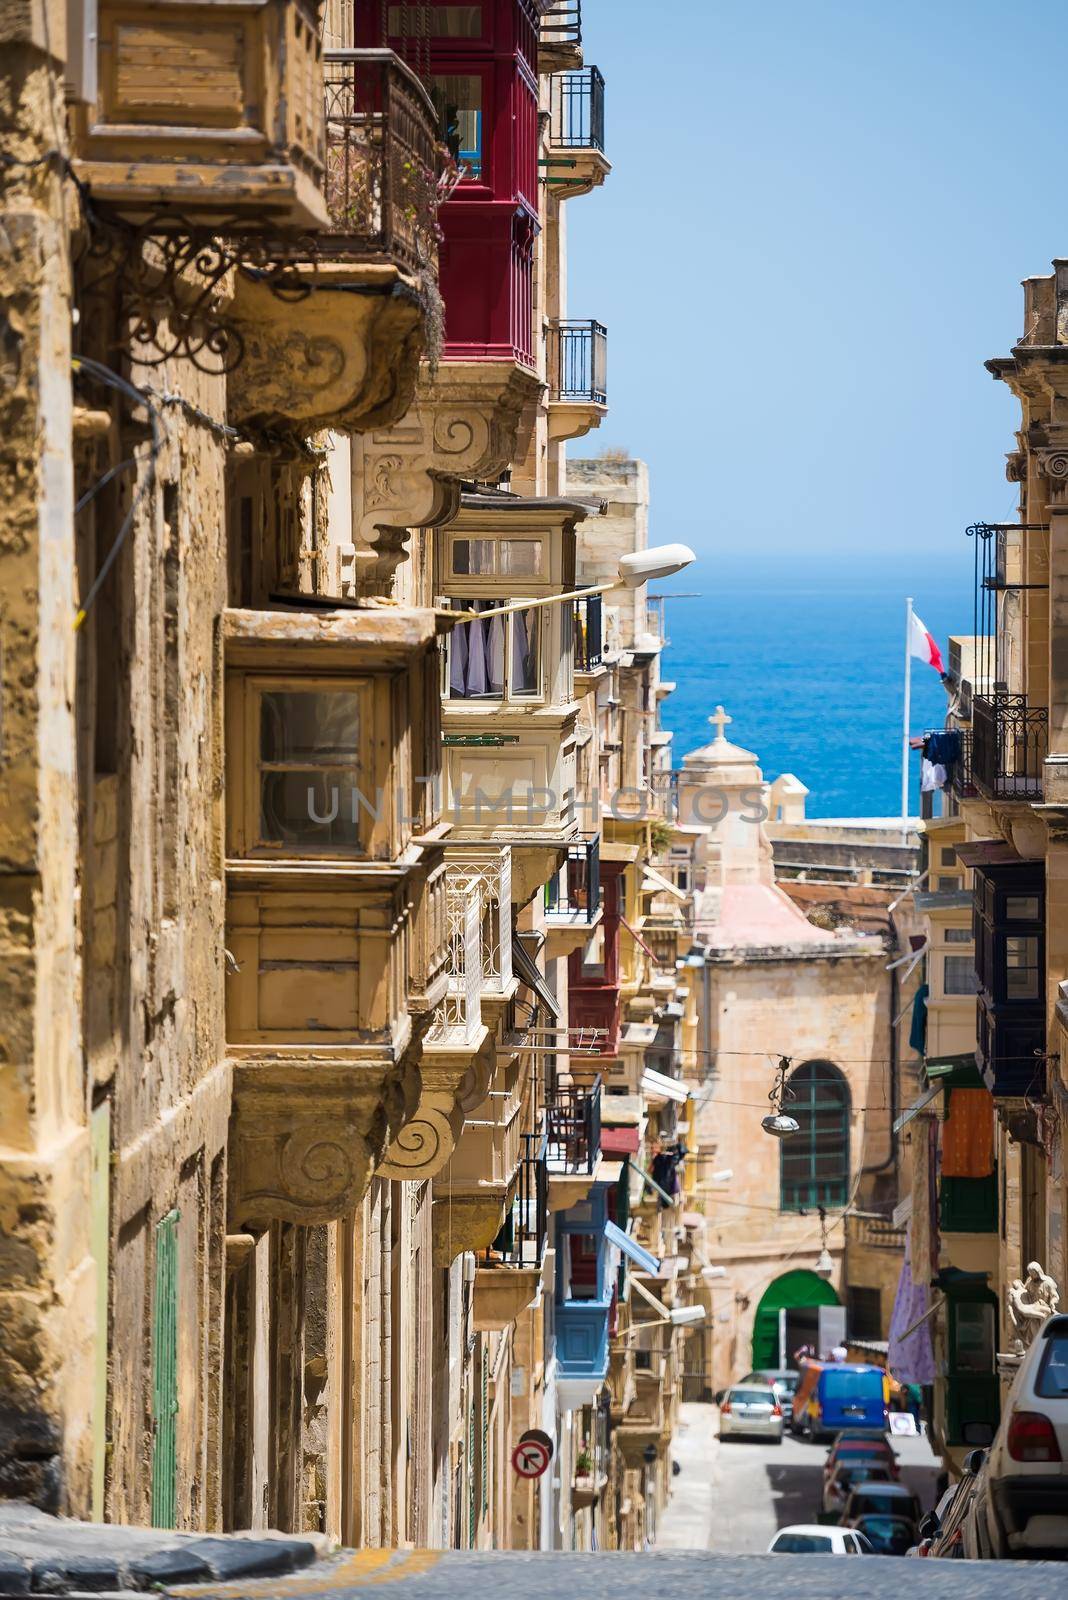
(589, 642)
(573, 1127)
(382, 159)
(575, 891)
(576, 110)
(524, 1234)
(578, 362)
(1009, 745)
(562, 24)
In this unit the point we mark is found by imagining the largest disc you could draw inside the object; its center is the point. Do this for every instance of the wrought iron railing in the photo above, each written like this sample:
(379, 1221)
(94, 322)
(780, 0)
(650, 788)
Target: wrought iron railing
(525, 1231)
(573, 1126)
(575, 891)
(578, 362)
(382, 159)
(562, 24)
(589, 623)
(1009, 745)
(576, 110)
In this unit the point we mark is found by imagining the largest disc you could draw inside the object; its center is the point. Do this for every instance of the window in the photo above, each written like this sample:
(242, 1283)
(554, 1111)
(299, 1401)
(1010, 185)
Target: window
(498, 659)
(458, 101)
(958, 935)
(1021, 967)
(865, 1312)
(958, 975)
(947, 885)
(1022, 908)
(974, 1348)
(815, 1162)
(435, 22)
(593, 955)
(491, 558)
(949, 855)
(309, 767)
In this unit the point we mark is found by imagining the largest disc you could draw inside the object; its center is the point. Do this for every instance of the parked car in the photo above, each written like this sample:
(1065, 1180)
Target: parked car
(784, 1380)
(750, 1410)
(815, 1539)
(876, 1499)
(838, 1397)
(836, 1487)
(947, 1534)
(888, 1536)
(857, 1450)
(1020, 1503)
(930, 1524)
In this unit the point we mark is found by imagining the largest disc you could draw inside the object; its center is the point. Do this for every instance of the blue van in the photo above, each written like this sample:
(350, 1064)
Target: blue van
(849, 1395)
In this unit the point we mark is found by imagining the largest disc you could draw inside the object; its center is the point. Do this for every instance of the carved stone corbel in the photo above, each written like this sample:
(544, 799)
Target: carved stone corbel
(465, 424)
(425, 1143)
(467, 1220)
(333, 359)
(306, 1131)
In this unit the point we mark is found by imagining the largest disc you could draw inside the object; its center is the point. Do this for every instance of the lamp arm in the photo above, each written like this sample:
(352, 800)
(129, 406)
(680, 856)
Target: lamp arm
(529, 605)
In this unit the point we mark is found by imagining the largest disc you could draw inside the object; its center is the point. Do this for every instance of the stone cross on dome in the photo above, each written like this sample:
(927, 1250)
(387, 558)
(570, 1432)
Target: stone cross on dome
(719, 721)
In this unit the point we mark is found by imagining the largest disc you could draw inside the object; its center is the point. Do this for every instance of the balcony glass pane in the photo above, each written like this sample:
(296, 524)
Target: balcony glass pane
(1022, 908)
(958, 936)
(458, 101)
(439, 22)
(525, 631)
(473, 556)
(306, 806)
(1021, 968)
(477, 654)
(975, 1337)
(320, 725)
(958, 975)
(519, 558)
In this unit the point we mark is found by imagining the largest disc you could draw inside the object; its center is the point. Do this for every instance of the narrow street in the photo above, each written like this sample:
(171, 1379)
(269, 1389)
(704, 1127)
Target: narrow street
(732, 1498)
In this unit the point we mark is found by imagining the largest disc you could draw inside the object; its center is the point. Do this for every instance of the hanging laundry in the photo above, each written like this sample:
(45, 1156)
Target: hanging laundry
(918, 1026)
(911, 1359)
(943, 749)
(924, 1225)
(968, 1134)
(932, 776)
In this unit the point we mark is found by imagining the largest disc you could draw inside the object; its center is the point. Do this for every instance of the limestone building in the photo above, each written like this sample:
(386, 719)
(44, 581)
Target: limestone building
(313, 975)
(805, 1004)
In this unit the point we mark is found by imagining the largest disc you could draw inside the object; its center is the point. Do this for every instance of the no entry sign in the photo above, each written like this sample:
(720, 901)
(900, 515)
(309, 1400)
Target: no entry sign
(531, 1457)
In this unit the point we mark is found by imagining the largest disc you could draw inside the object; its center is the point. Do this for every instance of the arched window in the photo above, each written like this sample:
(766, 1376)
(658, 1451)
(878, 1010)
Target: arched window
(815, 1162)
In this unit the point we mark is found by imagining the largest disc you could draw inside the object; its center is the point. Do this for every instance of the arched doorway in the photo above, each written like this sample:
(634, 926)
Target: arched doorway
(799, 1294)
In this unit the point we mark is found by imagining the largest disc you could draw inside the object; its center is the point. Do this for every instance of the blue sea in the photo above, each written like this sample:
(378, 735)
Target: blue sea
(809, 664)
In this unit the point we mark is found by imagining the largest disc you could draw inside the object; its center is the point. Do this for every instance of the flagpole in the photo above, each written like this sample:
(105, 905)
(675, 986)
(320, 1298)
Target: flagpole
(905, 724)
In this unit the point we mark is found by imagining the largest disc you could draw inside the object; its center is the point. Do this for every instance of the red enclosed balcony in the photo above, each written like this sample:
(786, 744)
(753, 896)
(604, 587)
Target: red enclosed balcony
(480, 66)
(593, 971)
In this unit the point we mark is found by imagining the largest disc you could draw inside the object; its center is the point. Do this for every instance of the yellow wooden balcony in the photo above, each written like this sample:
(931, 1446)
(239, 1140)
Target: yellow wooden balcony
(213, 109)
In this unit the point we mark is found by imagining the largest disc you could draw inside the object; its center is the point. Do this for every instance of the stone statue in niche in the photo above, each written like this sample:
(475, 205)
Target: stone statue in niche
(1032, 1299)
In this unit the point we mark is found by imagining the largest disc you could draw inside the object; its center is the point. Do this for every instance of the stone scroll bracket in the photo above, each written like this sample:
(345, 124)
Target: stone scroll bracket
(306, 1134)
(463, 426)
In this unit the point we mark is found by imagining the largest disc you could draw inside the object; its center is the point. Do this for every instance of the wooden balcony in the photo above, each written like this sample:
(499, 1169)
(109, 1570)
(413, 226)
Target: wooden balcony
(212, 109)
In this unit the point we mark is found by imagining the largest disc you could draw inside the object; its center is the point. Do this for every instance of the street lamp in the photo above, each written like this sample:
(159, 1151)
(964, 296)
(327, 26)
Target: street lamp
(642, 566)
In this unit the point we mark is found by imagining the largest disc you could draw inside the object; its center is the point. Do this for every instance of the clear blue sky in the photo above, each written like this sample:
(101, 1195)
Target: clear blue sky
(813, 236)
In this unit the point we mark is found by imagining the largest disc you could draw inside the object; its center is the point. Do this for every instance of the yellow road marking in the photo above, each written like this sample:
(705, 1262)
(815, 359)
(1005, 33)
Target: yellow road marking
(362, 1567)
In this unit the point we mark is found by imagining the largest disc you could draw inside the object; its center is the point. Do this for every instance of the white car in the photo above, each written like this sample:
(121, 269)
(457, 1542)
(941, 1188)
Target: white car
(751, 1411)
(818, 1539)
(1020, 1506)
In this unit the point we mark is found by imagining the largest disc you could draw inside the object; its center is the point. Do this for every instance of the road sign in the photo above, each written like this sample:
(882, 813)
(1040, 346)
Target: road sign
(530, 1458)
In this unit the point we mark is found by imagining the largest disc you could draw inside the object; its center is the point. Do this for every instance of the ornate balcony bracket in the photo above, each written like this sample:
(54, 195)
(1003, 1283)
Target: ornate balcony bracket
(307, 1130)
(345, 356)
(464, 424)
(425, 1144)
(1053, 464)
(467, 1220)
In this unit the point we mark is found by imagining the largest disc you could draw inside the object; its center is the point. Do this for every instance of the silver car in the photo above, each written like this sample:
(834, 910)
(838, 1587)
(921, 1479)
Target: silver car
(751, 1411)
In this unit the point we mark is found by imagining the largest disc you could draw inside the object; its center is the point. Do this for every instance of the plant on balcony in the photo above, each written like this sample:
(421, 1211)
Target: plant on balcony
(584, 1461)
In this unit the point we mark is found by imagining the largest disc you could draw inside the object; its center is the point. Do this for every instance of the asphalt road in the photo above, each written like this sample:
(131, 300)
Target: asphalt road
(656, 1575)
(732, 1497)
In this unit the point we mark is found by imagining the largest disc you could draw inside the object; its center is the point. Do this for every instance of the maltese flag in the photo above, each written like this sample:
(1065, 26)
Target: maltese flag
(922, 644)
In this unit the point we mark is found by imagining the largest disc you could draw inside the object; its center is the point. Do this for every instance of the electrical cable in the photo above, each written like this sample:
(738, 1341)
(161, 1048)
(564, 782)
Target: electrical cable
(102, 374)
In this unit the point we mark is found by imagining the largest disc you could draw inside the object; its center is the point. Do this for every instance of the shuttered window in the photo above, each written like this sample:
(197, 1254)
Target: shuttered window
(815, 1161)
(165, 1375)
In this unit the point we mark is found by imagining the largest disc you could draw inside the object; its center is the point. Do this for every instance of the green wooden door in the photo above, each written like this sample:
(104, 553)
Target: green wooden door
(165, 1375)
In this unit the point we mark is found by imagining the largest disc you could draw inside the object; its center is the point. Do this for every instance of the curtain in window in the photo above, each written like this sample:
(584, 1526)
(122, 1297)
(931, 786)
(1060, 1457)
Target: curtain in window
(476, 660)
